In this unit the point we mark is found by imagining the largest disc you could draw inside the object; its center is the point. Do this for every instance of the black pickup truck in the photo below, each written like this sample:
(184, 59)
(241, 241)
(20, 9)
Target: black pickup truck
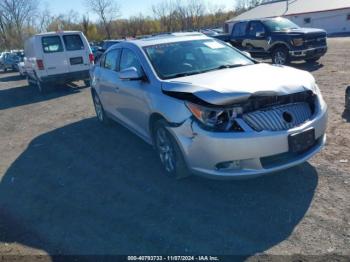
(278, 39)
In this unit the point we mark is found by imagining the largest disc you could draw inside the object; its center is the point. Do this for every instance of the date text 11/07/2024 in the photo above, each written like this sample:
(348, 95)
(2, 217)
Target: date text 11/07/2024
(173, 258)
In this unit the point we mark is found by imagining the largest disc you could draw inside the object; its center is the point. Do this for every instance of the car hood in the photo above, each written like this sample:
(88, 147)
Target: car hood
(228, 86)
(302, 31)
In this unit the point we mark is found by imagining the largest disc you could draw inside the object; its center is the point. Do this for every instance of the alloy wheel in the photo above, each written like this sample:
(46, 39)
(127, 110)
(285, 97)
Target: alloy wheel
(98, 108)
(166, 150)
(280, 58)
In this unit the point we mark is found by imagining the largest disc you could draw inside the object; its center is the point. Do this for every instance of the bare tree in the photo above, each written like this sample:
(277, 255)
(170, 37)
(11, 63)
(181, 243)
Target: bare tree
(14, 16)
(106, 10)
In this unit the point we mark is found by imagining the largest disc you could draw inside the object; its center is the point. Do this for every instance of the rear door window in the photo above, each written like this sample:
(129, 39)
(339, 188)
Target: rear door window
(52, 44)
(73, 42)
(240, 29)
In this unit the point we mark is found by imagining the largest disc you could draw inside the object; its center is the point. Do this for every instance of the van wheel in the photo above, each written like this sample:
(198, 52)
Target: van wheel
(100, 112)
(169, 152)
(280, 56)
(41, 87)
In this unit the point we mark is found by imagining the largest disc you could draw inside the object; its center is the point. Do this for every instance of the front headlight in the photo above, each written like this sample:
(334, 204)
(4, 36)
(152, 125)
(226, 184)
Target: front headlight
(298, 42)
(219, 119)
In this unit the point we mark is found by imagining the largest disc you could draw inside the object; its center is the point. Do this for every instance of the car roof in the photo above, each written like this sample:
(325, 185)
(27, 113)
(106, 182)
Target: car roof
(168, 38)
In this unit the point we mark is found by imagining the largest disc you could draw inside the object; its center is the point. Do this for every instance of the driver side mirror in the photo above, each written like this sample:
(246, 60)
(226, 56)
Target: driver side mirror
(260, 34)
(131, 74)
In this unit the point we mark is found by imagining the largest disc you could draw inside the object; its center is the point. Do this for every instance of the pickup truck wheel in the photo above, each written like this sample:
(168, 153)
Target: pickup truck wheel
(280, 56)
(100, 112)
(169, 152)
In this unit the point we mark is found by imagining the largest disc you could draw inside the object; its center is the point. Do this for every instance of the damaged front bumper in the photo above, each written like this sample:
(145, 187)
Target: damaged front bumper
(245, 154)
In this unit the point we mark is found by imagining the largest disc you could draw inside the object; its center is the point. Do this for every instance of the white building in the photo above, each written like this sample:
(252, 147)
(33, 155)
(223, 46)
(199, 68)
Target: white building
(330, 15)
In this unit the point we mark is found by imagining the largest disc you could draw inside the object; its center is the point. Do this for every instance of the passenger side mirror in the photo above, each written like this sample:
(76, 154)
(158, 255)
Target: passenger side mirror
(260, 34)
(130, 73)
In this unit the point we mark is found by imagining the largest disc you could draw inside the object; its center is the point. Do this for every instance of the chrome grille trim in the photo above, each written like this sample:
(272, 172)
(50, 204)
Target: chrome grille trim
(271, 119)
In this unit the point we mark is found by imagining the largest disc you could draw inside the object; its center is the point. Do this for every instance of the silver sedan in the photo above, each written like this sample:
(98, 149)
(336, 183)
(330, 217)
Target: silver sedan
(208, 108)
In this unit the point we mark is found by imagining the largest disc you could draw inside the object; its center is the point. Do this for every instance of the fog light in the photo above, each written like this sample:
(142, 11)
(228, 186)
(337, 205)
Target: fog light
(235, 165)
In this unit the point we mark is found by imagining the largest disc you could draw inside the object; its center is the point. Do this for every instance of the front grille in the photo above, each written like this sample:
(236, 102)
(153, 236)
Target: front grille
(316, 42)
(279, 118)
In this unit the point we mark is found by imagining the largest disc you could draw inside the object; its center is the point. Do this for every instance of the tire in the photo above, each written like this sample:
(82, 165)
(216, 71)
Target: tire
(280, 56)
(41, 87)
(169, 151)
(100, 112)
(87, 83)
(30, 83)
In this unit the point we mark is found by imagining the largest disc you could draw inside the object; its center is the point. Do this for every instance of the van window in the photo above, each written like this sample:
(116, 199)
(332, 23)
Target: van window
(73, 42)
(52, 44)
(111, 60)
(129, 59)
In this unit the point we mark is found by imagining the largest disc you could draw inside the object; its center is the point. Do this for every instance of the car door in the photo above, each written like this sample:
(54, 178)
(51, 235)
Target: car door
(130, 97)
(107, 80)
(256, 42)
(54, 58)
(239, 34)
(77, 52)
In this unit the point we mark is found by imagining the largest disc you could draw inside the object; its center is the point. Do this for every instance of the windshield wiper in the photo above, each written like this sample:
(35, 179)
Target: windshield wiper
(204, 71)
(224, 67)
(182, 74)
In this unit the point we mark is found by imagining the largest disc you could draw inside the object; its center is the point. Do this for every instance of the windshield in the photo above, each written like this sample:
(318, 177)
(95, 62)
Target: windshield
(178, 59)
(280, 24)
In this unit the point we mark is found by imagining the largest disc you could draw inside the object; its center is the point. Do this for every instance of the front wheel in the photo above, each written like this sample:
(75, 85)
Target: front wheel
(169, 152)
(280, 56)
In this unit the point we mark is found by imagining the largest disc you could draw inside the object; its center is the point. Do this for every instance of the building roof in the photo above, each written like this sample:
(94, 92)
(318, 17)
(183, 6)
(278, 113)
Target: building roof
(295, 7)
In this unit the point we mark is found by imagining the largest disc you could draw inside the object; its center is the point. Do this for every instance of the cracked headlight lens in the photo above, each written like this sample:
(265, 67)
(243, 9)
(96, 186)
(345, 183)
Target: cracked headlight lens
(221, 119)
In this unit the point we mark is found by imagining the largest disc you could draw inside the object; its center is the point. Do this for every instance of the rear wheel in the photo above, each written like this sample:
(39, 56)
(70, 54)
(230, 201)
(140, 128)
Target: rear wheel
(169, 152)
(41, 86)
(100, 112)
(280, 56)
(87, 83)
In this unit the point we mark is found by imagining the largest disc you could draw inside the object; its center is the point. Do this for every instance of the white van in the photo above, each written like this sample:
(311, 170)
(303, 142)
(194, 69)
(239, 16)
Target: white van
(57, 58)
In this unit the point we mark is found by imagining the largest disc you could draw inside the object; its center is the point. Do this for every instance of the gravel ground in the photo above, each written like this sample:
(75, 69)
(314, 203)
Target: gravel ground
(70, 186)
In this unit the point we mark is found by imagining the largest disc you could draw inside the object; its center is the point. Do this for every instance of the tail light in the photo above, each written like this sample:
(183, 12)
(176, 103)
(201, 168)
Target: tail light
(40, 64)
(91, 58)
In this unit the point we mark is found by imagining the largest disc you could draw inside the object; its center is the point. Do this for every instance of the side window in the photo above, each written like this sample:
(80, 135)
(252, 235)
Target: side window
(129, 59)
(73, 42)
(111, 60)
(240, 29)
(52, 44)
(307, 20)
(256, 27)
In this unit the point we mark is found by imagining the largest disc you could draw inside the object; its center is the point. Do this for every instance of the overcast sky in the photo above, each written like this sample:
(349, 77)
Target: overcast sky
(128, 7)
